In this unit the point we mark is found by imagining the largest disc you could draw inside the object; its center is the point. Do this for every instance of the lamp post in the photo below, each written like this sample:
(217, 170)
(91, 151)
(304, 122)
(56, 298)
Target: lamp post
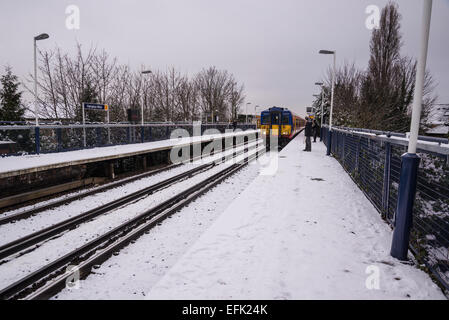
(42, 36)
(143, 98)
(329, 134)
(246, 112)
(410, 161)
(255, 113)
(322, 111)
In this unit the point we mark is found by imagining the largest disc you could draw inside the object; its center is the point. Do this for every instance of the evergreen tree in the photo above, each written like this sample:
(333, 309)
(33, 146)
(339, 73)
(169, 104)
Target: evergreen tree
(389, 83)
(90, 95)
(11, 108)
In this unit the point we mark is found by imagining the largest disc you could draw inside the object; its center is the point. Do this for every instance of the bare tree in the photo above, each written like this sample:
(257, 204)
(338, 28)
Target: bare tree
(236, 98)
(381, 97)
(90, 76)
(215, 89)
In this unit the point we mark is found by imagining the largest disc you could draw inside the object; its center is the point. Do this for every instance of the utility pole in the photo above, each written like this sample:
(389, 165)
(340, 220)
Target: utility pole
(410, 160)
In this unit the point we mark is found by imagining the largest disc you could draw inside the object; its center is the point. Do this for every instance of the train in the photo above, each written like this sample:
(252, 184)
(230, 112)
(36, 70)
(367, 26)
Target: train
(280, 122)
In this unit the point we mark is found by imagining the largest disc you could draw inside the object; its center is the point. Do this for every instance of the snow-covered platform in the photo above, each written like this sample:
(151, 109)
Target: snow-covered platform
(306, 232)
(14, 166)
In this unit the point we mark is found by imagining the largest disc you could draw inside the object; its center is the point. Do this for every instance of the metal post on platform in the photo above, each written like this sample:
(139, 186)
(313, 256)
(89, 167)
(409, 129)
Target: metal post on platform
(410, 161)
(37, 139)
(321, 84)
(142, 121)
(84, 125)
(59, 137)
(329, 133)
(386, 182)
(109, 128)
(40, 37)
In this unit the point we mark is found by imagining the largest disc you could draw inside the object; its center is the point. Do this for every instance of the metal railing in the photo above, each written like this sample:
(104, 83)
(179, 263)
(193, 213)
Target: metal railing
(373, 160)
(48, 138)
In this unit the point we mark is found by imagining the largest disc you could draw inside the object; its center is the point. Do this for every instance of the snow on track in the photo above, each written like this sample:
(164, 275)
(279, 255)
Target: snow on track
(53, 249)
(12, 231)
(306, 232)
(26, 162)
(140, 265)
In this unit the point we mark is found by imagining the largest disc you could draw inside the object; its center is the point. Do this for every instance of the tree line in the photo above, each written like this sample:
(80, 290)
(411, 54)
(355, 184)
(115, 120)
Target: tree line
(65, 82)
(381, 96)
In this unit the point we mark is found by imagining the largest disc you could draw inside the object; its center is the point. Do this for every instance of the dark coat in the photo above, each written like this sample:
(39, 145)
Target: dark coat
(308, 131)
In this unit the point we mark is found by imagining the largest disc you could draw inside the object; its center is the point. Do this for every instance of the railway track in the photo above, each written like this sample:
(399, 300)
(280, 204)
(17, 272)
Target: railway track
(51, 278)
(33, 211)
(28, 241)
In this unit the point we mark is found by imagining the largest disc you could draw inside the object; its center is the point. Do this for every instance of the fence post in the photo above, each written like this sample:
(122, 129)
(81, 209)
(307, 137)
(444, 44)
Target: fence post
(98, 136)
(386, 186)
(167, 133)
(329, 142)
(142, 134)
(149, 134)
(59, 137)
(357, 154)
(37, 139)
(404, 210)
(128, 134)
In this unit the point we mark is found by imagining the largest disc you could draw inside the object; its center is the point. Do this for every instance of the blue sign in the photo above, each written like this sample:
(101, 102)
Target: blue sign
(95, 106)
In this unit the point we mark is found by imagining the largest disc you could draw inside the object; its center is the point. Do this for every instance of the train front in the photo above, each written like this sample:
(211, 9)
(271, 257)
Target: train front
(276, 122)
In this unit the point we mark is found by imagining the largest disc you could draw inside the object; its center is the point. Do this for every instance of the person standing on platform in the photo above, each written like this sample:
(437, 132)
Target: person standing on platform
(308, 132)
(315, 130)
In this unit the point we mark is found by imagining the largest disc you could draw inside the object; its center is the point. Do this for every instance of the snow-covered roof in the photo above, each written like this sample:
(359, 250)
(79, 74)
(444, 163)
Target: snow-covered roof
(439, 114)
(440, 129)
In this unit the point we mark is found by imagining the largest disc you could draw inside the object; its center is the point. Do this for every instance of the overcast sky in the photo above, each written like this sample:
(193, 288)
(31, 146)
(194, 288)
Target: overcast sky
(269, 45)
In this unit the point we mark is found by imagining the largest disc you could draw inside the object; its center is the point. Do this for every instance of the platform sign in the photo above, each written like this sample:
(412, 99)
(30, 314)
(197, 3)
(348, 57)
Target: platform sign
(95, 106)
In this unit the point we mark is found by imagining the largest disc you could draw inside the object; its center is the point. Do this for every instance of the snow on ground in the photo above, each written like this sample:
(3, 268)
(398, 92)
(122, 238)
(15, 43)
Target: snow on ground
(140, 265)
(9, 164)
(306, 232)
(70, 240)
(18, 229)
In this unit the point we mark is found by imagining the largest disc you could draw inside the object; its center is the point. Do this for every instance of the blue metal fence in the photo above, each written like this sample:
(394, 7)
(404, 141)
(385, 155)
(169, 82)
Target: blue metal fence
(373, 160)
(59, 138)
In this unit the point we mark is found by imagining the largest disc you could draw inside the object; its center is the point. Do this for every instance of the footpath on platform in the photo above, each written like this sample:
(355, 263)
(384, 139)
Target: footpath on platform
(304, 232)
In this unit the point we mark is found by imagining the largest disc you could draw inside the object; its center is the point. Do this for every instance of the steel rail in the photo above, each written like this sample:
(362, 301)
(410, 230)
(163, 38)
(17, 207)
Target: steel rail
(101, 248)
(27, 241)
(30, 212)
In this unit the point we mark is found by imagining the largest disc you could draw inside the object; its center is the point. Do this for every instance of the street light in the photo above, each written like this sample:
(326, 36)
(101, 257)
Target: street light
(410, 161)
(255, 114)
(143, 100)
(321, 84)
(329, 135)
(246, 112)
(42, 36)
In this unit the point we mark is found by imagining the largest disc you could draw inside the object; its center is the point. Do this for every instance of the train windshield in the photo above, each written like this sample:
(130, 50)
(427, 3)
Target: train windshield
(265, 119)
(275, 118)
(285, 119)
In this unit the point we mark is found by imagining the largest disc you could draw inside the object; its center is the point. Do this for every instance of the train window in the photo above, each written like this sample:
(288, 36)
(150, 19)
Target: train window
(266, 119)
(285, 119)
(275, 118)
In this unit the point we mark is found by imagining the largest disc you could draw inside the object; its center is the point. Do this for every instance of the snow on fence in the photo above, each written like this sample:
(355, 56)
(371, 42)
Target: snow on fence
(373, 160)
(58, 138)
